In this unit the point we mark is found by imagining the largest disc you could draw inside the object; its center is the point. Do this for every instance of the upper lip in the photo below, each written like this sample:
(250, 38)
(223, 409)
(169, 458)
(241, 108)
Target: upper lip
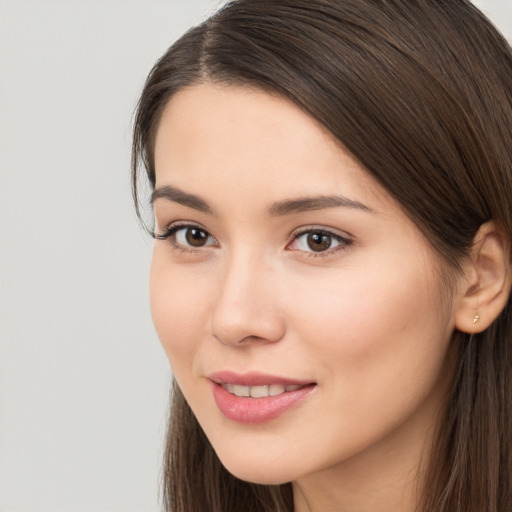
(254, 379)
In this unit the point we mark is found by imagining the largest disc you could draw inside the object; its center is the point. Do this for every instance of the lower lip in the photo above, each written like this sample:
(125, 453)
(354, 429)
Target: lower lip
(257, 410)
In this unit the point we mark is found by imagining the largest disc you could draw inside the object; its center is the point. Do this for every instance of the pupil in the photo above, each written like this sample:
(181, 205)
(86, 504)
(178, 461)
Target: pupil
(318, 241)
(196, 237)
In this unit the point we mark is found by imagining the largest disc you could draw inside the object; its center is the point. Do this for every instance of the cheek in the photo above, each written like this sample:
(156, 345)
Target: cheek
(379, 350)
(375, 330)
(178, 306)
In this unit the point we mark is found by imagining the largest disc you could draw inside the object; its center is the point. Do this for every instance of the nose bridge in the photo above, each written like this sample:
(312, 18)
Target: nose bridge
(246, 310)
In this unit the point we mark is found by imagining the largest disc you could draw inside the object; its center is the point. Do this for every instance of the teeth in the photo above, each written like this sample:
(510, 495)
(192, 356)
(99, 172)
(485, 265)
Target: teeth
(275, 389)
(241, 390)
(259, 391)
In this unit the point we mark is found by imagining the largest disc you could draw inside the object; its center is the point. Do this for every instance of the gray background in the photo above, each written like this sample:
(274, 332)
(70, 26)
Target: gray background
(83, 380)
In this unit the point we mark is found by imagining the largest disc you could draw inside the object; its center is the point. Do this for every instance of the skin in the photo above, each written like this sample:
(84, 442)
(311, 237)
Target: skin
(366, 319)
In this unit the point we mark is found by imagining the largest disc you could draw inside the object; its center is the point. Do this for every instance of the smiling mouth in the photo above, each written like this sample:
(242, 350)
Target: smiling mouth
(260, 391)
(253, 398)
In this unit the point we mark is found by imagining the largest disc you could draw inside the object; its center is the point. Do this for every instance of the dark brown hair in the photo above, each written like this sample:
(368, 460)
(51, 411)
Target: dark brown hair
(420, 92)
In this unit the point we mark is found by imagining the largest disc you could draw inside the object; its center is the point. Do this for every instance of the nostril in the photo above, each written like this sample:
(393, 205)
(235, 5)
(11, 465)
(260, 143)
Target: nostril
(244, 327)
(244, 341)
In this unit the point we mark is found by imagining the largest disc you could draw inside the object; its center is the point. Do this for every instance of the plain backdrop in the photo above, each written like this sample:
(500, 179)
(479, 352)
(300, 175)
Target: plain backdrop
(83, 380)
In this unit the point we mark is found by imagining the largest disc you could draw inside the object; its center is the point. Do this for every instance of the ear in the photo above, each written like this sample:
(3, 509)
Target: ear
(486, 282)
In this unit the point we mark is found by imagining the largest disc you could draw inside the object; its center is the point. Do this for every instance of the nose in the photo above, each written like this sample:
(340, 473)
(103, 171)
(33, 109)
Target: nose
(247, 309)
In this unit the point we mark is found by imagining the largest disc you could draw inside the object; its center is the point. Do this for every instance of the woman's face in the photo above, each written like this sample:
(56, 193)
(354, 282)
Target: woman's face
(283, 271)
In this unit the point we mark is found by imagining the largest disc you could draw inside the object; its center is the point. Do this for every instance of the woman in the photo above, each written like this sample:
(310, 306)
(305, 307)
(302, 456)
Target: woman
(331, 186)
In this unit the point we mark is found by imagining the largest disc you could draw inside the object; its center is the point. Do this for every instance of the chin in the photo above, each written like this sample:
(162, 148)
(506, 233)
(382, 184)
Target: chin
(264, 473)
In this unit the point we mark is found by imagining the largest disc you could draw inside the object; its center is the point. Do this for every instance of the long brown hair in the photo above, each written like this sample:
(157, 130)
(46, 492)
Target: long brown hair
(420, 92)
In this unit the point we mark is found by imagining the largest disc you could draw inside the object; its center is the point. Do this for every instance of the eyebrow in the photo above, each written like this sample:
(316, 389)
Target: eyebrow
(278, 209)
(178, 196)
(315, 203)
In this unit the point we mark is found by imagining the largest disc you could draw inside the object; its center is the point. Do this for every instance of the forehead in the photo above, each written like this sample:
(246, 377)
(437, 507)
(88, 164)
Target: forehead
(217, 137)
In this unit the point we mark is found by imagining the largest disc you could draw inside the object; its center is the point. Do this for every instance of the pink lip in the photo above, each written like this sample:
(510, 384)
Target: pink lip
(256, 410)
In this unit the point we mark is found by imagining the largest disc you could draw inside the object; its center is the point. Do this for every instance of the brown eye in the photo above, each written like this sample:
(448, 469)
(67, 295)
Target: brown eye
(187, 236)
(196, 237)
(319, 241)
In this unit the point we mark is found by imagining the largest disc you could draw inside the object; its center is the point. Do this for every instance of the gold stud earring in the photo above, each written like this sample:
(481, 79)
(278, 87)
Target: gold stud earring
(476, 318)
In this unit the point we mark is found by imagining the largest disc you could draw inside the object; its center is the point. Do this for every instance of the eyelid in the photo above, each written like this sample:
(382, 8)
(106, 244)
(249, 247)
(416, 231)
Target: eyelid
(343, 235)
(175, 225)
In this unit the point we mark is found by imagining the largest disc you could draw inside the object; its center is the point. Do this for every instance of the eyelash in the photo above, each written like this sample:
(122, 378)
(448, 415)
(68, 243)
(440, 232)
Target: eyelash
(170, 235)
(343, 243)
